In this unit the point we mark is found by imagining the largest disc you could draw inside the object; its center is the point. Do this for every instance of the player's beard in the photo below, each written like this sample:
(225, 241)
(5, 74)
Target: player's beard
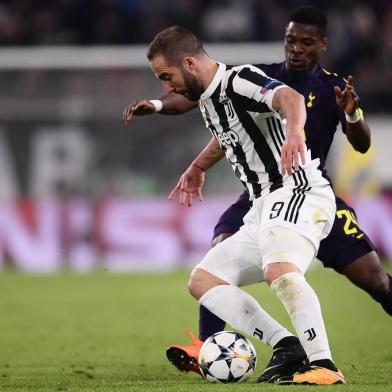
(193, 88)
(297, 72)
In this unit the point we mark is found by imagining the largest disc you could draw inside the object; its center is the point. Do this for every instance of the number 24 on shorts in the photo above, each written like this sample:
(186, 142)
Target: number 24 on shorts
(351, 225)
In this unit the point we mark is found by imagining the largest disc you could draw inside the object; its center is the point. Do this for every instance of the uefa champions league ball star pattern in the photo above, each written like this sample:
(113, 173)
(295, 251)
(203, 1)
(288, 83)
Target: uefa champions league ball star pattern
(227, 357)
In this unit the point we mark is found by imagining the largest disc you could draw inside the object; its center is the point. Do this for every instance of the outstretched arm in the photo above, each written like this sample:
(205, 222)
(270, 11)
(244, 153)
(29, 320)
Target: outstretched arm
(292, 105)
(168, 104)
(357, 131)
(192, 180)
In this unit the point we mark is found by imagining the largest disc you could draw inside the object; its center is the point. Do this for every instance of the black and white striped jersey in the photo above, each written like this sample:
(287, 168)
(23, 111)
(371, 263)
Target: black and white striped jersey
(237, 109)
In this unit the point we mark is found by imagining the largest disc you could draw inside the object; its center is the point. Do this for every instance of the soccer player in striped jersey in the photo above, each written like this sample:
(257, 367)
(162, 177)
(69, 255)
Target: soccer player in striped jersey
(258, 122)
(329, 100)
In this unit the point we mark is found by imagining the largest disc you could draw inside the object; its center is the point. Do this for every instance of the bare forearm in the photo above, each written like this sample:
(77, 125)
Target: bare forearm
(358, 134)
(176, 104)
(357, 131)
(209, 156)
(291, 104)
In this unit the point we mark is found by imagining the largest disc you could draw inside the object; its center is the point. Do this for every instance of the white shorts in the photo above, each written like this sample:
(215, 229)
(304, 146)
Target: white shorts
(284, 226)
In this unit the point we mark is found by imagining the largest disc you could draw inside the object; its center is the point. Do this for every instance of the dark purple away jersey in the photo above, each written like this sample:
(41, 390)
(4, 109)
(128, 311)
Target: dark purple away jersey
(323, 114)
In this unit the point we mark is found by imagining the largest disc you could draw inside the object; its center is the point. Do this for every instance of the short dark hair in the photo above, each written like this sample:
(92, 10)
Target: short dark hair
(310, 16)
(174, 43)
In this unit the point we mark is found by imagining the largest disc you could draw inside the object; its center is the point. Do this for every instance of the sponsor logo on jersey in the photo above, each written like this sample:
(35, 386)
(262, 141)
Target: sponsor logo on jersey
(227, 138)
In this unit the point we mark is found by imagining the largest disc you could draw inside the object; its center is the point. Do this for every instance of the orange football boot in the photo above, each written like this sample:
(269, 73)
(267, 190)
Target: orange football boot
(313, 375)
(184, 358)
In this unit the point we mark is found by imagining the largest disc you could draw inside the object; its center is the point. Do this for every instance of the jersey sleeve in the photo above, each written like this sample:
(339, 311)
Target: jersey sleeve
(256, 85)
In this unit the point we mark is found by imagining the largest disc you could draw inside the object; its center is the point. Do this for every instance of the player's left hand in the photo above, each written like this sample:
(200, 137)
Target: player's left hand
(292, 150)
(347, 99)
(137, 108)
(190, 183)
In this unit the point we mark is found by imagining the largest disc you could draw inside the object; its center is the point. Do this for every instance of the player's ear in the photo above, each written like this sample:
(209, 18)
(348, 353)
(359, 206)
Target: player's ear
(189, 63)
(324, 44)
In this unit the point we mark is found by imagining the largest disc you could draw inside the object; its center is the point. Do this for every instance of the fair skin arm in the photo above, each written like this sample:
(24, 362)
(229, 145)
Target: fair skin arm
(358, 134)
(172, 104)
(291, 104)
(192, 180)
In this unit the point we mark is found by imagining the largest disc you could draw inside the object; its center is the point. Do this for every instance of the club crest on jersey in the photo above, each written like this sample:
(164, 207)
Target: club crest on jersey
(223, 99)
(311, 98)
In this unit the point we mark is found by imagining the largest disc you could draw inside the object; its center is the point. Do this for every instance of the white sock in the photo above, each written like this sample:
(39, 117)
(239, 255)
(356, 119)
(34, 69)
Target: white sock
(244, 313)
(303, 306)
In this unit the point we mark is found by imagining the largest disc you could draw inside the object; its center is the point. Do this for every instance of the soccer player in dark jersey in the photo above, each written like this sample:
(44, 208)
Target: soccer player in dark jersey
(329, 100)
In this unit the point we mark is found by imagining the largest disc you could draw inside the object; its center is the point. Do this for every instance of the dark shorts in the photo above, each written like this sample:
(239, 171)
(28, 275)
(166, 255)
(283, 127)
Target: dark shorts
(345, 243)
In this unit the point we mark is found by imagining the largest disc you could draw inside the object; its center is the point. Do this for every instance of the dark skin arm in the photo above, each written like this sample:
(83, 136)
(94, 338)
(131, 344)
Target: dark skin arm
(358, 133)
(172, 104)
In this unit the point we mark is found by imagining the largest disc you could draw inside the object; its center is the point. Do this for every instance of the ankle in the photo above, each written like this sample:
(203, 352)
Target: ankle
(287, 341)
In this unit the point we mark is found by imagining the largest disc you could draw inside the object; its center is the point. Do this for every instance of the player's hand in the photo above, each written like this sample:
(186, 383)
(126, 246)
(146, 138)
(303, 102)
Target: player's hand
(189, 184)
(293, 150)
(347, 99)
(137, 108)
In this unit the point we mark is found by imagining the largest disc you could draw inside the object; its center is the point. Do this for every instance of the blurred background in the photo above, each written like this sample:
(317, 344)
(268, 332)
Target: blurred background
(82, 192)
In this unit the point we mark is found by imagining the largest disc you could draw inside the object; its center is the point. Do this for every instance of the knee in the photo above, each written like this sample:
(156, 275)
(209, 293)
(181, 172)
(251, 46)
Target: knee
(201, 281)
(289, 287)
(368, 274)
(196, 284)
(275, 270)
(378, 283)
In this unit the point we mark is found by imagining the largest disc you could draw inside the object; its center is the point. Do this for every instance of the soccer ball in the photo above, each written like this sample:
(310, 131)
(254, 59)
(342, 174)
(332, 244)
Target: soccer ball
(227, 357)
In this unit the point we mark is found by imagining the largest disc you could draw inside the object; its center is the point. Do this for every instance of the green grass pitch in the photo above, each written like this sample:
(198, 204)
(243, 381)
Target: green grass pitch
(105, 332)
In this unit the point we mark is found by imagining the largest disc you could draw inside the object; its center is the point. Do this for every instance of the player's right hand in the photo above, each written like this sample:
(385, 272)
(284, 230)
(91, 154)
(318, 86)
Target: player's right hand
(293, 150)
(137, 108)
(190, 184)
(347, 99)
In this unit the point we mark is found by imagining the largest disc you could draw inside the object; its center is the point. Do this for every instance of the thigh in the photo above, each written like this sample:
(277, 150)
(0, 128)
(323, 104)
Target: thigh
(236, 260)
(232, 219)
(346, 242)
(282, 245)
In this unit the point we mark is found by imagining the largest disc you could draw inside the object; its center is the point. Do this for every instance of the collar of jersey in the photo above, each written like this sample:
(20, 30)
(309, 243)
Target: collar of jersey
(215, 81)
(318, 70)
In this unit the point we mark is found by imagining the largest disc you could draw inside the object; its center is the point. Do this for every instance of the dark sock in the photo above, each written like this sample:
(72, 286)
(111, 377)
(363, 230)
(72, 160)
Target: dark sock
(386, 301)
(287, 341)
(325, 363)
(209, 323)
